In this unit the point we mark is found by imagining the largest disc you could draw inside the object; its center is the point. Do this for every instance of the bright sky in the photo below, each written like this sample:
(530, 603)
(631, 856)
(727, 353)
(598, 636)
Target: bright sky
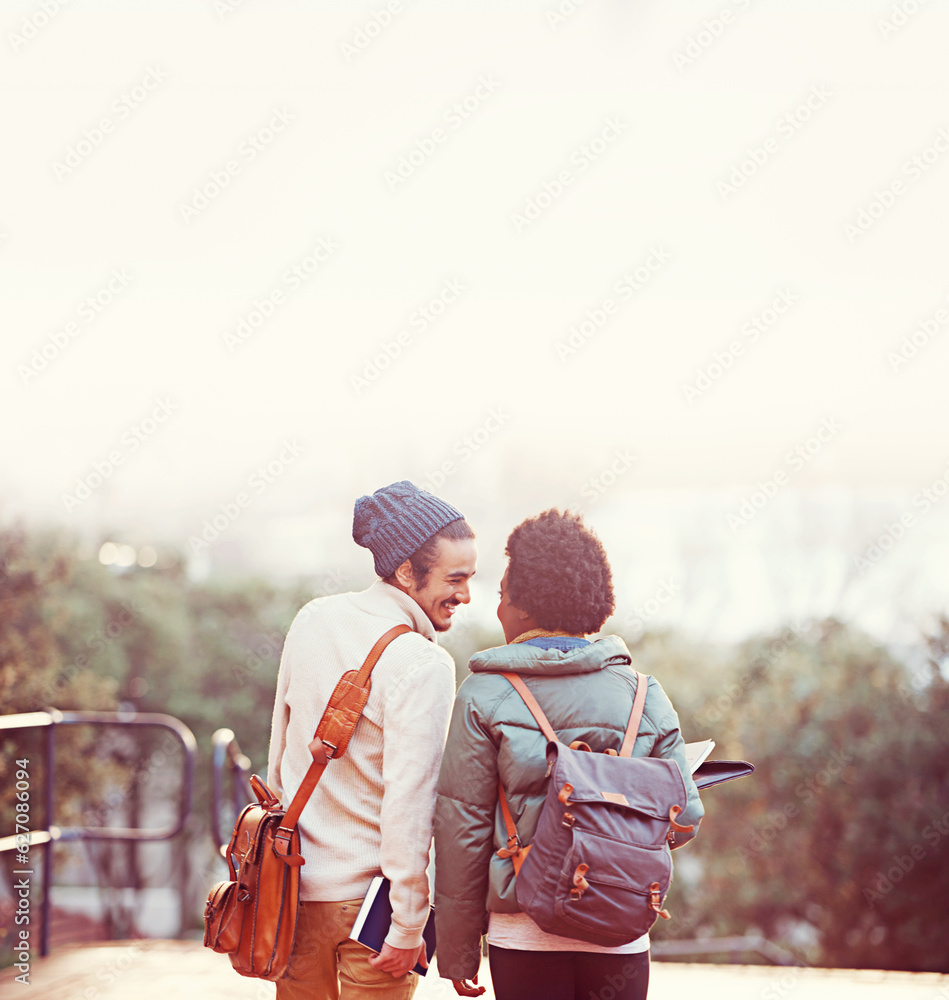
(348, 239)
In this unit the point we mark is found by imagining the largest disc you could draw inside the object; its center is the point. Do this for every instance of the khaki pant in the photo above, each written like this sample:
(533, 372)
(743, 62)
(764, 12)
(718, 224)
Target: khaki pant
(327, 965)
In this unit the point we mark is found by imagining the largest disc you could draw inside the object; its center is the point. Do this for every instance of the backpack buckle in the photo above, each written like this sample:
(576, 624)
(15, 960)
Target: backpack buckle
(655, 901)
(513, 847)
(515, 852)
(580, 884)
(678, 827)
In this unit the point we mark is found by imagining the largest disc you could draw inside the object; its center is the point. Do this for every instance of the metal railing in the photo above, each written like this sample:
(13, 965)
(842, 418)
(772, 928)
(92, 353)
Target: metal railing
(51, 833)
(227, 756)
(226, 753)
(734, 946)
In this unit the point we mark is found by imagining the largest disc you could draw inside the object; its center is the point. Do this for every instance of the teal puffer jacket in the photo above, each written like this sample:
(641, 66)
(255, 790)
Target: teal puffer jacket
(587, 694)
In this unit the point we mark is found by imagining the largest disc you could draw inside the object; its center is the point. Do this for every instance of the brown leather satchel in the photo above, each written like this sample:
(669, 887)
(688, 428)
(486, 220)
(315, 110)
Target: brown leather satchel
(252, 915)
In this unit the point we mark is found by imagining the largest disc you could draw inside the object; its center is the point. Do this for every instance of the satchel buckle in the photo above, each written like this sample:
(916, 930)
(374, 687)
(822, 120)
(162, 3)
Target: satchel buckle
(281, 847)
(330, 749)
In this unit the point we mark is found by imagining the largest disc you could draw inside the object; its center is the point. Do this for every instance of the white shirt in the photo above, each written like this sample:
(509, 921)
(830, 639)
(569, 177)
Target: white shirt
(372, 811)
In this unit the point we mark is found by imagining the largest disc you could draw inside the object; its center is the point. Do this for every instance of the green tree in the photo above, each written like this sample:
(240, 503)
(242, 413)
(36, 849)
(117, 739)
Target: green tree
(37, 575)
(835, 847)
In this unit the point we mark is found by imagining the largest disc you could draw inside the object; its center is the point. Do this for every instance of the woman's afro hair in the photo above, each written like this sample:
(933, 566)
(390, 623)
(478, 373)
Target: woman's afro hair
(559, 573)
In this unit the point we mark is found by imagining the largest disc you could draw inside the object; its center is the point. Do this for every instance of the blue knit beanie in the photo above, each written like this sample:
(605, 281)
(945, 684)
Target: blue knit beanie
(396, 521)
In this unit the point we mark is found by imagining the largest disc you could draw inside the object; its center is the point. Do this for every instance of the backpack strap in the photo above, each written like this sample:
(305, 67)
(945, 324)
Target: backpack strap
(635, 716)
(339, 721)
(531, 702)
(515, 850)
(632, 727)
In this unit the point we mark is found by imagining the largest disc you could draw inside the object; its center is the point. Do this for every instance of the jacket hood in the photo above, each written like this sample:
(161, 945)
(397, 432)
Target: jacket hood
(521, 658)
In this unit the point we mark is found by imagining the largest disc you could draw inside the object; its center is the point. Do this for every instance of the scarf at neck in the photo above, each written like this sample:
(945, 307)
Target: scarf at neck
(544, 633)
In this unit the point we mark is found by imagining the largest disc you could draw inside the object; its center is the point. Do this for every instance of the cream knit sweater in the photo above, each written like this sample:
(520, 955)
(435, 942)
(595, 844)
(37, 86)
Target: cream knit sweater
(371, 813)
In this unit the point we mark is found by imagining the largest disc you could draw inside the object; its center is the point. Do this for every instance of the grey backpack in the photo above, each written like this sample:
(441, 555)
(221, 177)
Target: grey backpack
(600, 865)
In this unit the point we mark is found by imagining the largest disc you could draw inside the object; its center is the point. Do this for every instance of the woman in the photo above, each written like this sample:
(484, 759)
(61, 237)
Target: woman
(557, 590)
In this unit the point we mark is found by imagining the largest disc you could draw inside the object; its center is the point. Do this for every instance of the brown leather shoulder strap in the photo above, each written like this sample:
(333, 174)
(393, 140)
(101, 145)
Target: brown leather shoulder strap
(531, 702)
(508, 818)
(514, 850)
(635, 716)
(315, 772)
(632, 727)
(366, 669)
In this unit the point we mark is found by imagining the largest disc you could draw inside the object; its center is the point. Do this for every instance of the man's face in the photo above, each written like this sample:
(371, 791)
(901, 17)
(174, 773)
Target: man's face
(447, 583)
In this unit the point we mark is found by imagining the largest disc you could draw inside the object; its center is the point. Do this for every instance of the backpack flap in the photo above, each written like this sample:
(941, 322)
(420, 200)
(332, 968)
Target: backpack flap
(650, 785)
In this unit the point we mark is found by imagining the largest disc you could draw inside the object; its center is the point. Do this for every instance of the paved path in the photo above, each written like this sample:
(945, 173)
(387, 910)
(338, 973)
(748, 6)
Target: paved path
(167, 970)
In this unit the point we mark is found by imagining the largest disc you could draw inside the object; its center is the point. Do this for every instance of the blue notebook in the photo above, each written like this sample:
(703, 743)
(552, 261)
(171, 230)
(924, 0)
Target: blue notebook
(375, 918)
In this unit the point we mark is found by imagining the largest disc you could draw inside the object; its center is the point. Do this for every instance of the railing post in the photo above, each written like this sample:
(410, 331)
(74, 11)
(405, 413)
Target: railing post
(227, 754)
(237, 787)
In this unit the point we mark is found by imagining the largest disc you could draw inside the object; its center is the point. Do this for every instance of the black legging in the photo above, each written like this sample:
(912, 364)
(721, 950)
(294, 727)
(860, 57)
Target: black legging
(568, 975)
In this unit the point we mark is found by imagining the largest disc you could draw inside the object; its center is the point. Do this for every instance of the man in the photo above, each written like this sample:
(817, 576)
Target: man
(372, 811)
